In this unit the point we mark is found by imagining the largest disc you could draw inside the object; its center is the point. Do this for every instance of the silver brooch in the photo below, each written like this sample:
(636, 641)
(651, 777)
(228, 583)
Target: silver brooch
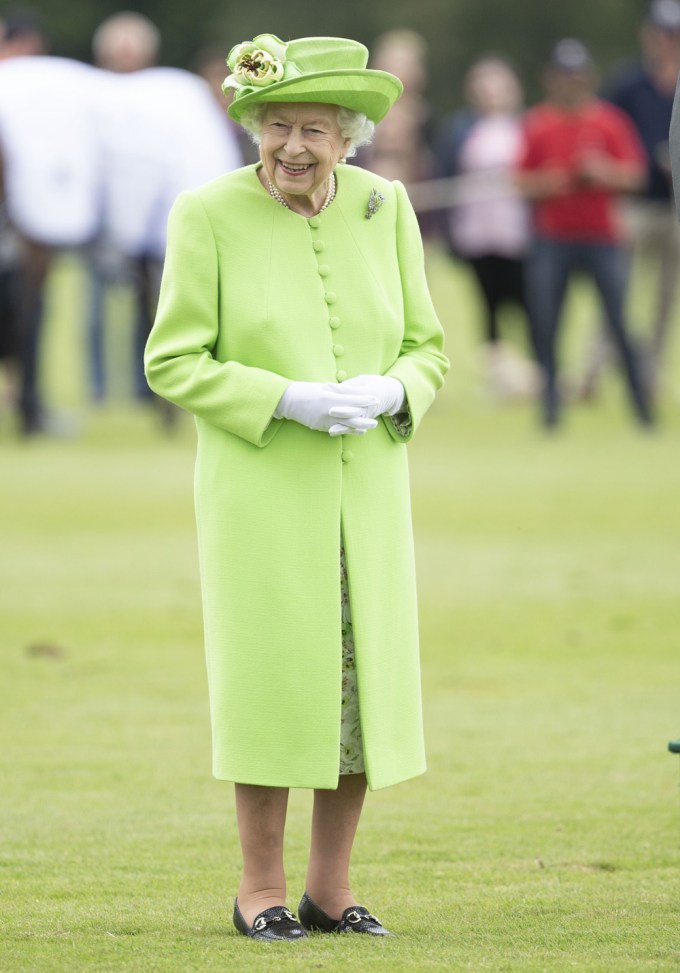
(375, 201)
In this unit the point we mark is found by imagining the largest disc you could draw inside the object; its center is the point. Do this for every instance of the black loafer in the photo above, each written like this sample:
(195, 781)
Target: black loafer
(354, 919)
(275, 923)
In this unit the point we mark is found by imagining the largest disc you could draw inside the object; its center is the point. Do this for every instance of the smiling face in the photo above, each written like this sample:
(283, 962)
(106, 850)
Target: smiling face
(300, 147)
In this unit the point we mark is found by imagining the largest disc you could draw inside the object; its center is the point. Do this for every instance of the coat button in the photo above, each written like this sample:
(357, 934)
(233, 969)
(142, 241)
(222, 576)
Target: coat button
(338, 351)
(341, 376)
(334, 322)
(330, 297)
(318, 246)
(324, 270)
(314, 222)
(347, 455)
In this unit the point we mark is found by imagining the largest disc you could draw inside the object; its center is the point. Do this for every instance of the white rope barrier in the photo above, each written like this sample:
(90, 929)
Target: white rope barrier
(435, 194)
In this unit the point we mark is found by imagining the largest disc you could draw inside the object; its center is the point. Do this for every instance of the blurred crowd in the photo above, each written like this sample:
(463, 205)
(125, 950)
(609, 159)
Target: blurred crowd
(525, 197)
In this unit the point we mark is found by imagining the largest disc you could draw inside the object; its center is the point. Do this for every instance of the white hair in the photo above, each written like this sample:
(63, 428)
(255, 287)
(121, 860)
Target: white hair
(354, 125)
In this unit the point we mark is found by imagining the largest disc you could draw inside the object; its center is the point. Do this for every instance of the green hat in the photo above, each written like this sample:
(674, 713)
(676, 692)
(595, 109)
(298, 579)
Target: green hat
(330, 70)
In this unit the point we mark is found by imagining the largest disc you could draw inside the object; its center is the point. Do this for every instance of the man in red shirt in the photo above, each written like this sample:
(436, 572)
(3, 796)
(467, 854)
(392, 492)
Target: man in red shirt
(579, 155)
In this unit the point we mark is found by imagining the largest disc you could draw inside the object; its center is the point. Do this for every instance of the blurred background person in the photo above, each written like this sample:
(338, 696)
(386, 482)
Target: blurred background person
(9, 310)
(579, 155)
(123, 43)
(400, 146)
(97, 155)
(645, 93)
(489, 226)
(23, 263)
(210, 65)
(126, 42)
(161, 131)
(22, 33)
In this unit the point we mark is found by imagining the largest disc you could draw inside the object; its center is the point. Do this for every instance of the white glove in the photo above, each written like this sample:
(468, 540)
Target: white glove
(318, 405)
(387, 392)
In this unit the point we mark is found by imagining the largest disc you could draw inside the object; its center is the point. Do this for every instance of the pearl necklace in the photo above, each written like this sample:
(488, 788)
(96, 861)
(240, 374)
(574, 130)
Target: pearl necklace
(330, 195)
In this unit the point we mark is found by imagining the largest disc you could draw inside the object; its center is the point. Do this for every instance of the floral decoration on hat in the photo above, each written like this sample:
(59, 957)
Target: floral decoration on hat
(256, 63)
(329, 70)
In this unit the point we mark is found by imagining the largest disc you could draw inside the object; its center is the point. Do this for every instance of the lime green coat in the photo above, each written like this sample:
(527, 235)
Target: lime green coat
(254, 296)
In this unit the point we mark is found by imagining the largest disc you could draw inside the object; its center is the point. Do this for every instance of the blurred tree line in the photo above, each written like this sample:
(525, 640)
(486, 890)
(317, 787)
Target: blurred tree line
(457, 31)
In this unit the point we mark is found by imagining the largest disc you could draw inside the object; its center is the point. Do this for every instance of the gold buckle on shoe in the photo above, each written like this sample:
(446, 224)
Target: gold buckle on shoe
(354, 917)
(262, 923)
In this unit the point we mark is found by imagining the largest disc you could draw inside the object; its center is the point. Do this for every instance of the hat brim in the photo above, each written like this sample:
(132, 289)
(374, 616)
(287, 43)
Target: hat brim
(364, 90)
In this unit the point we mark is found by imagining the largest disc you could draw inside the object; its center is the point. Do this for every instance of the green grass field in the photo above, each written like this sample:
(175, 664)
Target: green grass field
(545, 836)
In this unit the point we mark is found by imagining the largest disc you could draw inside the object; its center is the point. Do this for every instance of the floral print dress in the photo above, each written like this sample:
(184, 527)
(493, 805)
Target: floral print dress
(351, 748)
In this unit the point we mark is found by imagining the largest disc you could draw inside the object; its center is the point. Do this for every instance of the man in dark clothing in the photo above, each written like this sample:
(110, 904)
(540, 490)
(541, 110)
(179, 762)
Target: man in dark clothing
(21, 35)
(645, 93)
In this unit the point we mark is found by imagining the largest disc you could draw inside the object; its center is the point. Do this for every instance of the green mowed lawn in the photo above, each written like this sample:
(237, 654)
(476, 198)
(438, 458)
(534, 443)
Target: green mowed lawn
(545, 834)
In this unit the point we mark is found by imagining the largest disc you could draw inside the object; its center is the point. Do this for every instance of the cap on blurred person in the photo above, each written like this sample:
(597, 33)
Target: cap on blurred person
(571, 56)
(664, 15)
(126, 42)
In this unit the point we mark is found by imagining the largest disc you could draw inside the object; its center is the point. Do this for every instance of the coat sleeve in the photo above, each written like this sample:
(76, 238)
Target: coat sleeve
(179, 361)
(421, 364)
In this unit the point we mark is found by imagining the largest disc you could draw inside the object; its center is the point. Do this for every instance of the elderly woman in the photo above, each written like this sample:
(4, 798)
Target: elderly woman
(295, 324)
